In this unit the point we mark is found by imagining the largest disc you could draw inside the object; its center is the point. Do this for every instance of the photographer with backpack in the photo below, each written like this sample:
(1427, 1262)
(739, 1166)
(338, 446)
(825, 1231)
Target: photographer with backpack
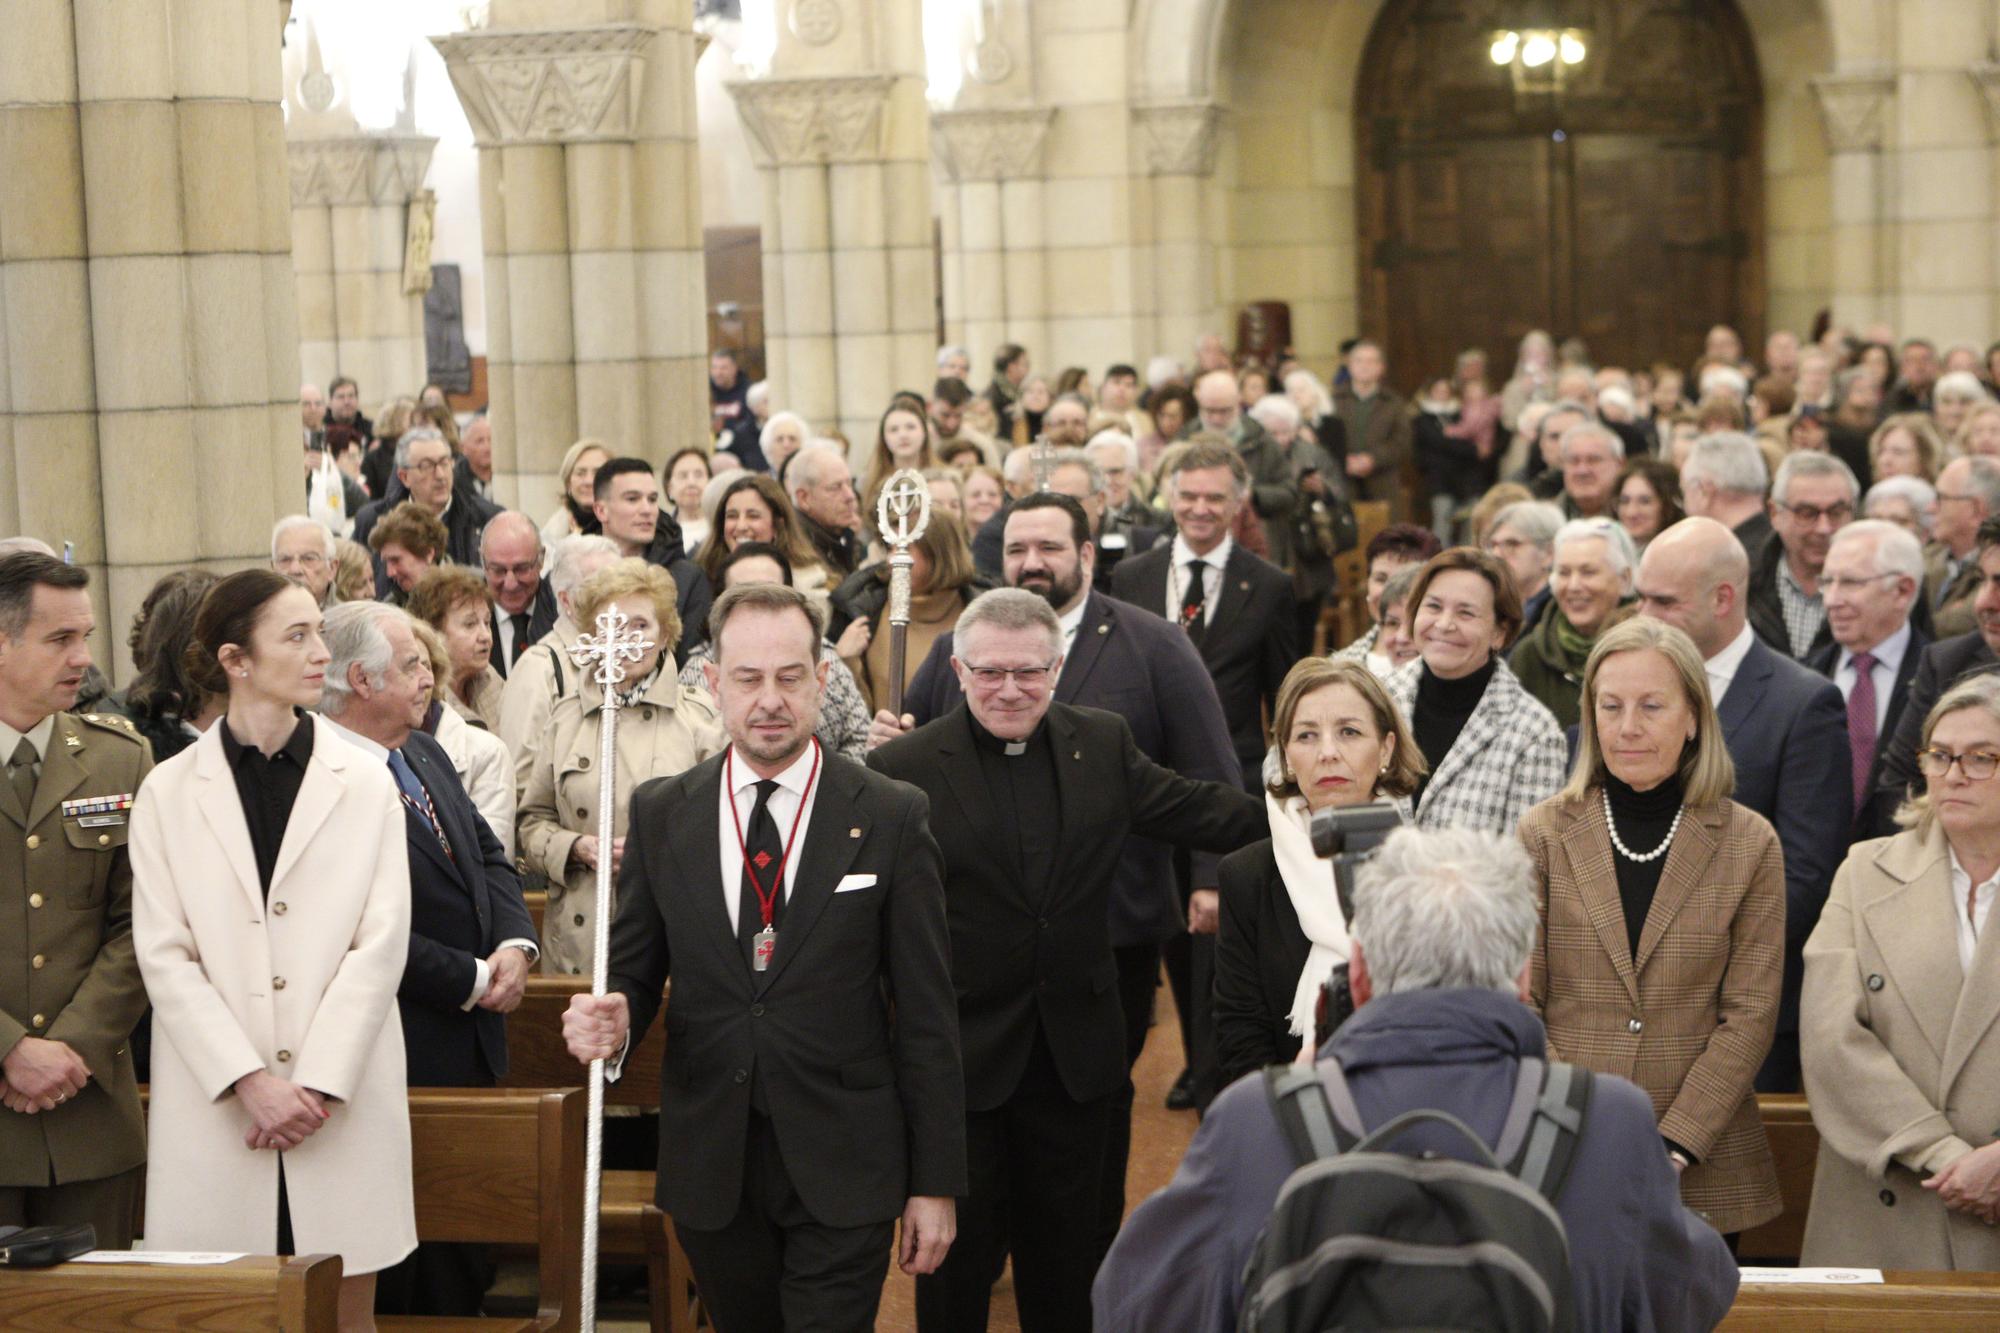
(1312, 1203)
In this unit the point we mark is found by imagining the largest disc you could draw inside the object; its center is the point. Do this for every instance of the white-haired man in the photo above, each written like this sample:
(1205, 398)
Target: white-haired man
(1724, 478)
(822, 490)
(302, 550)
(1590, 455)
(1813, 497)
(1444, 922)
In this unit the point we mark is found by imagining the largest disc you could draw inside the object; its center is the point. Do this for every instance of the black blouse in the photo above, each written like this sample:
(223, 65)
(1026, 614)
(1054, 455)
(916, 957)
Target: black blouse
(268, 788)
(1440, 712)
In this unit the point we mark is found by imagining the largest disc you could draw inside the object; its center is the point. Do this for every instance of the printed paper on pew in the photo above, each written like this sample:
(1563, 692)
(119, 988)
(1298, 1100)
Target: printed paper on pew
(178, 1258)
(1838, 1277)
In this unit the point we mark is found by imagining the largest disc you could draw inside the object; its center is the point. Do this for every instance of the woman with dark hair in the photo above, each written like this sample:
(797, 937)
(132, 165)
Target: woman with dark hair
(271, 918)
(1647, 498)
(163, 702)
(943, 582)
(458, 604)
(687, 475)
(1395, 548)
(1172, 406)
(753, 508)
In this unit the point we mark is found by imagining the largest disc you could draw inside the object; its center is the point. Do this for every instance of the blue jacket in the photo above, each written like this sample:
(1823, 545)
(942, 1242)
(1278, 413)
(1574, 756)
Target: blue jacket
(1640, 1260)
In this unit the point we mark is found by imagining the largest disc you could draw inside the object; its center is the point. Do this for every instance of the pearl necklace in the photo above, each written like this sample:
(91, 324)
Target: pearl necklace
(1627, 852)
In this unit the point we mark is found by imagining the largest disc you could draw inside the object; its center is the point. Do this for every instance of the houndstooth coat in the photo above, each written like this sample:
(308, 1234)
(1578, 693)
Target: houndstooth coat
(1510, 757)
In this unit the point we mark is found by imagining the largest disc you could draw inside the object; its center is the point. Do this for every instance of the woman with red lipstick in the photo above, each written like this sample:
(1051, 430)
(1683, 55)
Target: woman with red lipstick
(1663, 917)
(1896, 1030)
(1341, 743)
(271, 917)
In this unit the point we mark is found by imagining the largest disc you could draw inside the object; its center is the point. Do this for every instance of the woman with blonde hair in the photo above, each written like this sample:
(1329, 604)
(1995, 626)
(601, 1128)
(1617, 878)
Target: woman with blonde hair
(1340, 742)
(484, 764)
(663, 728)
(1979, 433)
(751, 507)
(1900, 1051)
(458, 604)
(577, 513)
(902, 440)
(1906, 445)
(1663, 917)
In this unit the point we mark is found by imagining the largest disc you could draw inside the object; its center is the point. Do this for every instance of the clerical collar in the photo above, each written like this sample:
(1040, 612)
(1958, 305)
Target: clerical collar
(992, 744)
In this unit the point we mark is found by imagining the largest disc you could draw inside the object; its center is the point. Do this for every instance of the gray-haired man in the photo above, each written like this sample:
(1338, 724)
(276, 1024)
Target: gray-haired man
(1443, 925)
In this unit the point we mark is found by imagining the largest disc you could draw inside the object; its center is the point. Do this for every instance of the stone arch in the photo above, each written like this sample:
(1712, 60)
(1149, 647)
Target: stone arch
(1280, 65)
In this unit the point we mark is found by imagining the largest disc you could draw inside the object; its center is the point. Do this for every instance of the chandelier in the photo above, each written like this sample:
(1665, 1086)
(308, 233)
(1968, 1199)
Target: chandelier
(1539, 59)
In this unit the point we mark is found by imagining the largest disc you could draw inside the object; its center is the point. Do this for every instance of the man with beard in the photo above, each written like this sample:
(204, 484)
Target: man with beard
(800, 1111)
(1127, 661)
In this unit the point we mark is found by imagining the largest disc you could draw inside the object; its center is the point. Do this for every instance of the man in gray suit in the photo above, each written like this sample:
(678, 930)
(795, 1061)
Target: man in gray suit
(1127, 661)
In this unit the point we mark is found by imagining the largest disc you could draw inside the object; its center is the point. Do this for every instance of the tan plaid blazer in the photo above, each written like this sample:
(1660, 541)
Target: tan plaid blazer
(1690, 1020)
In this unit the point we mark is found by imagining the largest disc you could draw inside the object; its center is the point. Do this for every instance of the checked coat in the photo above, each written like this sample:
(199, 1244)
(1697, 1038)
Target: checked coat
(1691, 1019)
(1510, 757)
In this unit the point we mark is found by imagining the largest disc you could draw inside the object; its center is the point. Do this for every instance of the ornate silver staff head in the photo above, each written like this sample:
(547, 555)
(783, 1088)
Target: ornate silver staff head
(1044, 460)
(606, 653)
(903, 510)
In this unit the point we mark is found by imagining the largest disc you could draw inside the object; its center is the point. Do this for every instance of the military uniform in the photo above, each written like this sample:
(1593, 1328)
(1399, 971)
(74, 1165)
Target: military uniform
(68, 973)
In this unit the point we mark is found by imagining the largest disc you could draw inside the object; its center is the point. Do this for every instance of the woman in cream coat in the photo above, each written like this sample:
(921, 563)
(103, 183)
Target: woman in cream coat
(1897, 1019)
(272, 941)
(663, 728)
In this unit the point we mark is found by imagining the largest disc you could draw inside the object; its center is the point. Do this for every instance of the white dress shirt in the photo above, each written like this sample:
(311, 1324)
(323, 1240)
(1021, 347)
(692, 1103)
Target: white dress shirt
(482, 973)
(503, 635)
(1888, 661)
(1211, 578)
(1982, 904)
(733, 811)
(1071, 621)
(1722, 667)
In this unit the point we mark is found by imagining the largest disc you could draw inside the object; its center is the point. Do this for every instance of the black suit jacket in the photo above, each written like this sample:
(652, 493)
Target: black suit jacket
(1130, 662)
(1021, 961)
(692, 593)
(1825, 660)
(461, 906)
(541, 619)
(1755, 532)
(1941, 666)
(1766, 611)
(1786, 728)
(1259, 952)
(1250, 643)
(868, 1110)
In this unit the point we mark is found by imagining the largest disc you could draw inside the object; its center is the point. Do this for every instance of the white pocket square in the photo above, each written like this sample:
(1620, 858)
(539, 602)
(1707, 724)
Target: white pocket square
(849, 883)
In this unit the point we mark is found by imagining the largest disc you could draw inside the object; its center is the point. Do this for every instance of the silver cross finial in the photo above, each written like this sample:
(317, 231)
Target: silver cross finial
(608, 650)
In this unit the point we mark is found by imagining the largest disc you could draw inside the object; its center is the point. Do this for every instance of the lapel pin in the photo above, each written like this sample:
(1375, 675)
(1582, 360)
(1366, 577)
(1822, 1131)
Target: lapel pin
(1104, 629)
(71, 741)
(1076, 754)
(854, 833)
(1244, 585)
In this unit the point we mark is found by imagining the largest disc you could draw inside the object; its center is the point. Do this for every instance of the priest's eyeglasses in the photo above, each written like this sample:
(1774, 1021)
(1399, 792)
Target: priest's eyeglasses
(1977, 765)
(1028, 678)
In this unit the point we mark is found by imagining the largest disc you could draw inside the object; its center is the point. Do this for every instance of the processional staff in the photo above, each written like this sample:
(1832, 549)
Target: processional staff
(1044, 460)
(604, 654)
(901, 515)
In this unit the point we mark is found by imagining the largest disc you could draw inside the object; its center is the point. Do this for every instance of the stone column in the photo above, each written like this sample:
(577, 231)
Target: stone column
(148, 338)
(1176, 144)
(850, 296)
(1854, 108)
(993, 216)
(590, 210)
(352, 200)
(1986, 78)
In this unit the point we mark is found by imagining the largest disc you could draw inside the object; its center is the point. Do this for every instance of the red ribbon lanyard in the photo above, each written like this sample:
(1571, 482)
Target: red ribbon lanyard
(767, 903)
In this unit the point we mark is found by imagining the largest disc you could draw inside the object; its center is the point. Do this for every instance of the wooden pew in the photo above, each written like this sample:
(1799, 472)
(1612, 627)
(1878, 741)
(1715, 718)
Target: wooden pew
(537, 1058)
(1795, 1146)
(254, 1295)
(1903, 1303)
(538, 907)
(1351, 573)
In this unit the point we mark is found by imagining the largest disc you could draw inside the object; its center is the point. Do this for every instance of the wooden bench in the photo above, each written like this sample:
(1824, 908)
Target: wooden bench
(538, 907)
(1902, 1303)
(254, 1295)
(537, 1057)
(1795, 1147)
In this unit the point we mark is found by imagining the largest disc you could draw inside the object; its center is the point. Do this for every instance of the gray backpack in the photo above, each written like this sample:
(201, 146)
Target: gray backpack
(1363, 1237)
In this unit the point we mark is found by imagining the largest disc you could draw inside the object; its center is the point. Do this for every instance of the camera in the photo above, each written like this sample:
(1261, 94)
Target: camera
(1350, 838)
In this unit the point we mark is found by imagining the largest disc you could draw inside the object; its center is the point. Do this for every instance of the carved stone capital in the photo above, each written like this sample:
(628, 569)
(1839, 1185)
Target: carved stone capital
(807, 121)
(1986, 75)
(992, 145)
(548, 85)
(1178, 138)
(358, 169)
(1853, 107)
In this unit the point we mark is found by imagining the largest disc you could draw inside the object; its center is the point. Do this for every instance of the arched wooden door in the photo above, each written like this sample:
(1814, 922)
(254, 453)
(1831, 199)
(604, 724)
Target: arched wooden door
(1625, 209)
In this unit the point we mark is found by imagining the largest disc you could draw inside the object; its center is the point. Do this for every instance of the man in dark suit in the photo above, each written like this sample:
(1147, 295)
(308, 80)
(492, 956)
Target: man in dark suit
(1071, 473)
(1872, 579)
(1941, 666)
(471, 938)
(1724, 478)
(424, 467)
(1034, 800)
(798, 1119)
(1786, 728)
(1235, 606)
(1812, 498)
(627, 505)
(1124, 660)
(524, 605)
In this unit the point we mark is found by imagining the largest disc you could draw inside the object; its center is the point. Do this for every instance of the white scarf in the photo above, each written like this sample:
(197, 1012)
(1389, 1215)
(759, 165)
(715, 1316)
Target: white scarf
(1309, 883)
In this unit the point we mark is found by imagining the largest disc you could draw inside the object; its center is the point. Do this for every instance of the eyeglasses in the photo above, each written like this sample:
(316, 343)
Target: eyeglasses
(1811, 514)
(429, 466)
(1977, 765)
(1028, 678)
(1942, 497)
(521, 571)
(1852, 582)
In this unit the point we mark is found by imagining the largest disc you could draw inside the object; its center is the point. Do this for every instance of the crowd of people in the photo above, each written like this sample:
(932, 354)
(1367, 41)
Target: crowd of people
(1684, 683)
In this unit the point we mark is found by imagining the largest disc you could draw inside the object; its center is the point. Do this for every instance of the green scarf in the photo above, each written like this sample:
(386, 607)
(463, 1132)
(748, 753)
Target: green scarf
(1572, 643)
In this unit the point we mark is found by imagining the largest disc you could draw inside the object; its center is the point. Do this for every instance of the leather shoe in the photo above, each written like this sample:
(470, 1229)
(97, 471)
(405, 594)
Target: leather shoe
(1180, 1097)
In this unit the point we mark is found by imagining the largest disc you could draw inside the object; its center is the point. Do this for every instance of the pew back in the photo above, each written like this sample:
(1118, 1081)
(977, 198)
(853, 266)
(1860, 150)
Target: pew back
(537, 1058)
(254, 1295)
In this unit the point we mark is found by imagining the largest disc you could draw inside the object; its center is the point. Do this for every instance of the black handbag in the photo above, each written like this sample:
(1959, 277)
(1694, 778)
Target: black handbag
(45, 1247)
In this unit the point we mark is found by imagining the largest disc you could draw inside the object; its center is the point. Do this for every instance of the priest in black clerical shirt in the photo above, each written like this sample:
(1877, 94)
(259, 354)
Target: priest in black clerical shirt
(1031, 802)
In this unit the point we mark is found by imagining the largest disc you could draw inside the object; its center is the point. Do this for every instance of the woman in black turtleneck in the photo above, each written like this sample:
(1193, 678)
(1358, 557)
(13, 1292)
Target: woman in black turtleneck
(1492, 749)
(1663, 917)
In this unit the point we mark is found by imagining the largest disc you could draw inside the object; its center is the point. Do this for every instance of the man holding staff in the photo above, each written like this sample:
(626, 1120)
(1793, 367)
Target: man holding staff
(791, 895)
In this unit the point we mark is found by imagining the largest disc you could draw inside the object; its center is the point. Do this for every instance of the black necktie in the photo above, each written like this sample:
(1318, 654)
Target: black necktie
(761, 845)
(1192, 618)
(520, 638)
